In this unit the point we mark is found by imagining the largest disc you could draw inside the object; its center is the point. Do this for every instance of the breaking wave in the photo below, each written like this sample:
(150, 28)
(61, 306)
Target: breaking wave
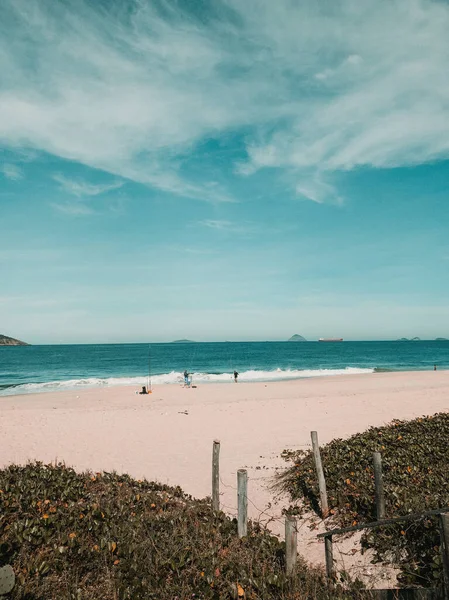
(177, 378)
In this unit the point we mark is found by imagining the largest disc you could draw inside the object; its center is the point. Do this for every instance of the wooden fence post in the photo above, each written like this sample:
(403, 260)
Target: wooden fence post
(216, 476)
(444, 536)
(328, 549)
(378, 480)
(291, 544)
(242, 502)
(320, 474)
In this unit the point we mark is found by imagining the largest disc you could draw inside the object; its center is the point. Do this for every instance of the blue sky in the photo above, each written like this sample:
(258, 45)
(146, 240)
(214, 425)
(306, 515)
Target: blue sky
(224, 170)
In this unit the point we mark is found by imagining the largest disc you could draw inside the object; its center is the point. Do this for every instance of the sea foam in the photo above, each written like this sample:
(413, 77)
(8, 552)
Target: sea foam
(175, 377)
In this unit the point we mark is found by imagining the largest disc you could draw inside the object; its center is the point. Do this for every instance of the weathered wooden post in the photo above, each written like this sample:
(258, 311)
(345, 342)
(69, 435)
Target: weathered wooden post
(444, 537)
(242, 502)
(291, 544)
(320, 474)
(216, 475)
(378, 481)
(328, 549)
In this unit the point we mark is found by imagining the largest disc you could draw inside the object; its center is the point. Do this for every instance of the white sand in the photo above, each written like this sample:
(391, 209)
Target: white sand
(146, 436)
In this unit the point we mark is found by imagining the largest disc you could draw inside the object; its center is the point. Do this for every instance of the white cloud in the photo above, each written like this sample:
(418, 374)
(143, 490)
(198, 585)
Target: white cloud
(83, 188)
(228, 226)
(216, 224)
(12, 171)
(76, 209)
(315, 188)
(316, 86)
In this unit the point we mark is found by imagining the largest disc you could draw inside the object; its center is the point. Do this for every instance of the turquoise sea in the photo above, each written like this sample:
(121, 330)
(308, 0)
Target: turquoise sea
(30, 369)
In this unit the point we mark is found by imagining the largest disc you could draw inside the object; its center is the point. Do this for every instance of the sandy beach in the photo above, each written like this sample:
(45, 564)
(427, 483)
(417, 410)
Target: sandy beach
(167, 436)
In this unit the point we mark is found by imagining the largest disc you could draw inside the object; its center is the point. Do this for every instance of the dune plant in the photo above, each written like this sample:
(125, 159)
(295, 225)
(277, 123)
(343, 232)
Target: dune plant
(107, 536)
(415, 459)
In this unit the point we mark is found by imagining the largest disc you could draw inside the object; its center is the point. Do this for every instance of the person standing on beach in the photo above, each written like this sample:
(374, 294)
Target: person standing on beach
(235, 376)
(186, 378)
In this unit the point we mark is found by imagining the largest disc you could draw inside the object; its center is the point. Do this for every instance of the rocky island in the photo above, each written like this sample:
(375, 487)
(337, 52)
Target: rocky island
(183, 342)
(9, 341)
(297, 338)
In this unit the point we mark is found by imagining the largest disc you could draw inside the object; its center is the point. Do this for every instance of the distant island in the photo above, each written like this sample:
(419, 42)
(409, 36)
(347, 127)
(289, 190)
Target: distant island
(417, 339)
(183, 342)
(297, 338)
(9, 341)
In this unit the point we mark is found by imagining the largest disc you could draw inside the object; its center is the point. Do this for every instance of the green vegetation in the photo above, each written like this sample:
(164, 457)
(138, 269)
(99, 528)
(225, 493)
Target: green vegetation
(104, 536)
(415, 457)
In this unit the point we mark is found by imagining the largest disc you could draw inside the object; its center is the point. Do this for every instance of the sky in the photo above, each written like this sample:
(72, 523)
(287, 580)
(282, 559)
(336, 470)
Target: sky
(223, 170)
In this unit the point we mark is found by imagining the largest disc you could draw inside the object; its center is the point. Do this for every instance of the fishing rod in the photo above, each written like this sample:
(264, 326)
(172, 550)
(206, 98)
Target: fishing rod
(192, 359)
(149, 371)
(231, 363)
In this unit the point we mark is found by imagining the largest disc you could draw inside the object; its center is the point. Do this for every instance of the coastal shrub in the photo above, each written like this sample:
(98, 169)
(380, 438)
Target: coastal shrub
(106, 536)
(415, 461)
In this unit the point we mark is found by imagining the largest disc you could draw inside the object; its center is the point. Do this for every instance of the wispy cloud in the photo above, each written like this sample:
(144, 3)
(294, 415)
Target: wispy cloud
(11, 171)
(216, 224)
(83, 188)
(183, 250)
(76, 209)
(229, 226)
(133, 90)
(315, 188)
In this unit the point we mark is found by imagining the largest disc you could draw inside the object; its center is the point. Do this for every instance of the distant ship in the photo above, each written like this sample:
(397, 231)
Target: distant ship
(330, 340)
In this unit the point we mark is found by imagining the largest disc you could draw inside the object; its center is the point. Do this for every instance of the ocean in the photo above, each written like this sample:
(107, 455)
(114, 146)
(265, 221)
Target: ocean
(31, 369)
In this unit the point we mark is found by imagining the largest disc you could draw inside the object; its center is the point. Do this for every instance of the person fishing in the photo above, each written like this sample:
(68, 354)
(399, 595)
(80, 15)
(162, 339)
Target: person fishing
(235, 376)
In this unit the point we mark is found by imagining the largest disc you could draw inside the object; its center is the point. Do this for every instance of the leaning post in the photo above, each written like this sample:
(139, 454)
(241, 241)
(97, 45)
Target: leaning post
(320, 474)
(444, 536)
(378, 481)
(242, 502)
(216, 475)
(328, 549)
(291, 544)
